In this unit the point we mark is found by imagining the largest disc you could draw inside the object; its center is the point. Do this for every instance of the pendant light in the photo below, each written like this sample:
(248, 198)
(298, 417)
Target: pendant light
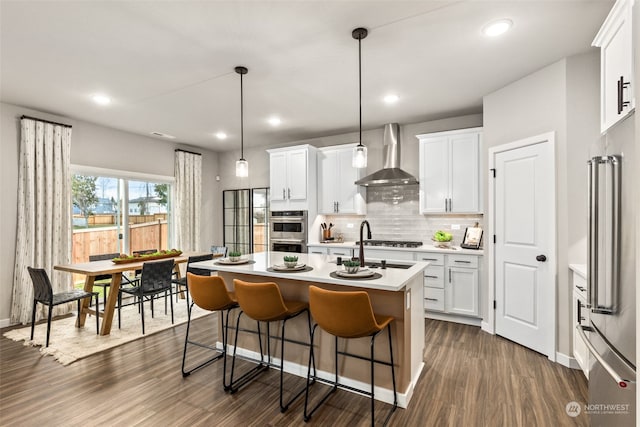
(360, 151)
(242, 166)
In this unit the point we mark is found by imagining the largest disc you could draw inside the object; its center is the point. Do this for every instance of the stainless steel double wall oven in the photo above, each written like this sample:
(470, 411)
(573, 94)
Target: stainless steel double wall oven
(288, 231)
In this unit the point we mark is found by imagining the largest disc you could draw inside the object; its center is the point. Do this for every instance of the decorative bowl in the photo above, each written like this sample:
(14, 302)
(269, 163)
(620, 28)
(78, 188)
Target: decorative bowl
(444, 245)
(351, 267)
(234, 256)
(290, 261)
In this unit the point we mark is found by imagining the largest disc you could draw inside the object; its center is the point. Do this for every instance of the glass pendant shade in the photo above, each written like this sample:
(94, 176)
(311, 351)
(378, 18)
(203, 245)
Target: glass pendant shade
(359, 159)
(242, 168)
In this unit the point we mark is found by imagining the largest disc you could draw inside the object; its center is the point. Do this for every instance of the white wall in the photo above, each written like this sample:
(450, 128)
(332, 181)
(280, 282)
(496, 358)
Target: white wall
(562, 97)
(98, 146)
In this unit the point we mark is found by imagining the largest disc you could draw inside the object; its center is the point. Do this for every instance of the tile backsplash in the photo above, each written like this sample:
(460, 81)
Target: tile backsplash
(394, 214)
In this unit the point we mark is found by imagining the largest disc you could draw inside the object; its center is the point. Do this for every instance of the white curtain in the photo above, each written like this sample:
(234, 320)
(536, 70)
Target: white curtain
(44, 214)
(188, 171)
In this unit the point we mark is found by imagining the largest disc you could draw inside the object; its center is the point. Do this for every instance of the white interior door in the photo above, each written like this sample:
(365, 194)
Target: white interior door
(525, 245)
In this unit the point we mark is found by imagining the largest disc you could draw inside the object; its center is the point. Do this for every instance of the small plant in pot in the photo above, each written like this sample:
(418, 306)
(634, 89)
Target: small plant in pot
(234, 256)
(290, 261)
(351, 267)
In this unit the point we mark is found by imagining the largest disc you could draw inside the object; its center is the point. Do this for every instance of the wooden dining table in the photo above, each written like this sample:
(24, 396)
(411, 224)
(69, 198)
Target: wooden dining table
(93, 269)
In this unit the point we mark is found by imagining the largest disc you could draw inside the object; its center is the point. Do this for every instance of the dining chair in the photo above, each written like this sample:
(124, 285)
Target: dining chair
(104, 280)
(348, 315)
(182, 282)
(43, 294)
(142, 252)
(155, 279)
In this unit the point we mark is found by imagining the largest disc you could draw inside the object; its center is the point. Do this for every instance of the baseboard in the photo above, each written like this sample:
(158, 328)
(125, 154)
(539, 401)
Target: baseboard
(568, 361)
(486, 328)
(473, 321)
(381, 394)
(4, 323)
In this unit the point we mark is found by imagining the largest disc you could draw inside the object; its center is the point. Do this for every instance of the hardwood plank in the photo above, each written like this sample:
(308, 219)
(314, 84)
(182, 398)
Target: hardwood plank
(470, 378)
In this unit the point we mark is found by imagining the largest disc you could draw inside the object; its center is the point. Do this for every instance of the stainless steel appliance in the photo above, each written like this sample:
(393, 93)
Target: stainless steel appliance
(392, 243)
(611, 335)
(288, 231)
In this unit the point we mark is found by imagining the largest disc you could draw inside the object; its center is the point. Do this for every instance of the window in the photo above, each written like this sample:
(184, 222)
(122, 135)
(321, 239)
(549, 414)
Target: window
(113, 213)
(246, 219)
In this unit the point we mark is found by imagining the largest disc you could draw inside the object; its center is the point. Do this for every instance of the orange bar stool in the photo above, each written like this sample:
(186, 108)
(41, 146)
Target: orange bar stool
(348, 315)
(263, 302)
(209, 293)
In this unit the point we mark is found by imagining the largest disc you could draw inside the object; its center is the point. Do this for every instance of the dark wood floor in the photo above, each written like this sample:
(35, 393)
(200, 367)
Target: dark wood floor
(470, 379)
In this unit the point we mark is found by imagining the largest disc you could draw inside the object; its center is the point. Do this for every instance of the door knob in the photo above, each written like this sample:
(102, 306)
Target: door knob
(541, 258)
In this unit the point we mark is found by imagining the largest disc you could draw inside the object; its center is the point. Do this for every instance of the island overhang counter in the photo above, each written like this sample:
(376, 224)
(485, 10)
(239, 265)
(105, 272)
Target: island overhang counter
(398, 292)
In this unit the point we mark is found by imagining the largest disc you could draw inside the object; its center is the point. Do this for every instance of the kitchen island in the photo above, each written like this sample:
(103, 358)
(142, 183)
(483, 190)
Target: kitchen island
(397, 292)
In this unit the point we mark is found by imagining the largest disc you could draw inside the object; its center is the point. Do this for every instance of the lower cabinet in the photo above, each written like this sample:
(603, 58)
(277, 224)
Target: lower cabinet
(580, 317)
(451, 284)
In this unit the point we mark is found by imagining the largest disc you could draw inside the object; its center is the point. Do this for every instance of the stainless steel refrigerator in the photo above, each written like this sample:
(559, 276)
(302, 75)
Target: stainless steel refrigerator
(611, 335)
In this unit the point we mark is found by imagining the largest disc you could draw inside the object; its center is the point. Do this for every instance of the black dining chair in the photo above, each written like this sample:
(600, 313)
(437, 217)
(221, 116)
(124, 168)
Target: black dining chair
(143, 252)
(182, 282)
(155, 279)
(104, 280)
(43, 294)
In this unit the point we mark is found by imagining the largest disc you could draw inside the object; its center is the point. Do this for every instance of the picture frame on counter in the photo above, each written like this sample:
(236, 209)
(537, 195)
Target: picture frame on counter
(472, 238)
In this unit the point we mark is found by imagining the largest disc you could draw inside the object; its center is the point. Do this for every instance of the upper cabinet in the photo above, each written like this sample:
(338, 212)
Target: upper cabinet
(615, 40)
(337, 193)
(292, 173)
(450, 171)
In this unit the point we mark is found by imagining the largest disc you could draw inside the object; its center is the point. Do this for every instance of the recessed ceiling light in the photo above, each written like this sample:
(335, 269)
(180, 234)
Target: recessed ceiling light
(274, 121)
(163, 135)
(221, 135)
(101, 99)
(495, 28)
(391, 99)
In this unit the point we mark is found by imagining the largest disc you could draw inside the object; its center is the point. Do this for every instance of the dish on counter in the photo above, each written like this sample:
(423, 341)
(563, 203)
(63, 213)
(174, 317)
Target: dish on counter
(227, 261)
(282, 267)
(363, 272)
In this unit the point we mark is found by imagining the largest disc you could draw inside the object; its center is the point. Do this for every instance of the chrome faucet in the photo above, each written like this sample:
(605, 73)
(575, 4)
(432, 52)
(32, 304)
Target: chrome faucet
(362, 224)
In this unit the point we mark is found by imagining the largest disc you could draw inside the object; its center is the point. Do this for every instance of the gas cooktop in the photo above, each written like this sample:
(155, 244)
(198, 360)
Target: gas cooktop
(392, 243)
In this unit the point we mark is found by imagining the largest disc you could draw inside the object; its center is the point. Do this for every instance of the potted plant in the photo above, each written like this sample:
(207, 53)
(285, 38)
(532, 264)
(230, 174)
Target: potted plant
(234, 256)
(351, 266)
(290, 261)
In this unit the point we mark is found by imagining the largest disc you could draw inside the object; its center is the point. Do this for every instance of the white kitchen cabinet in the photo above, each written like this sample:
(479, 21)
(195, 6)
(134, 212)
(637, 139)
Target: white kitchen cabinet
(292, 176)
(337, 191)
(386, 254)
(451, 285)
(461, 291)
(312, 249)
(615, 40)
(450, 171)
(580, 317)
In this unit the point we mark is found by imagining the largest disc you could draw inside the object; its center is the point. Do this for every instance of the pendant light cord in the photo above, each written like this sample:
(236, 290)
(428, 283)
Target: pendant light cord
(360, 83)
(241, 121)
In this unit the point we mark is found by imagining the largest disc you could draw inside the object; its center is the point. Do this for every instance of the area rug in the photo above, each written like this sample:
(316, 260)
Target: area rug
(68, 343)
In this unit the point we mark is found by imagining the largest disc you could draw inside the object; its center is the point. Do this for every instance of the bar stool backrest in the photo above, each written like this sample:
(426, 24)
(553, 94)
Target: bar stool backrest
(208, 292)
(343, 314)
(260, 301)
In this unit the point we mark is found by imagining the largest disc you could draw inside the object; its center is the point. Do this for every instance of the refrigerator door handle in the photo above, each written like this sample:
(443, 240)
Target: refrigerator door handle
(622, 383)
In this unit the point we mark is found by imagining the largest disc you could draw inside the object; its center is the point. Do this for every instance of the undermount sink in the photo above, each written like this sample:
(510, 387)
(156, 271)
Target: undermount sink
(378, 264)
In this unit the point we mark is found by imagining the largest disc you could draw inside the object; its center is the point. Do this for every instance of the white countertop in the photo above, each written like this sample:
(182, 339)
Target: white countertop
(393, 279)
(424, 248)
(580, 269)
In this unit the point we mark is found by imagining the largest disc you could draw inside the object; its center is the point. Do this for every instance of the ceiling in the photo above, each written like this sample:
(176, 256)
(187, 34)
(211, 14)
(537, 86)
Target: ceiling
(169, 65)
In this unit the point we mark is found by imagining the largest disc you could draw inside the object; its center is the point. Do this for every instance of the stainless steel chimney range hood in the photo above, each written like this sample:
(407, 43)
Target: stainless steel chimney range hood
(390, 174)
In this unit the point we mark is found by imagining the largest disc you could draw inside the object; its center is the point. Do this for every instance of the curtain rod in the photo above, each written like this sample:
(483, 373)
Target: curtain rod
(190, 152)
(46, 121)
